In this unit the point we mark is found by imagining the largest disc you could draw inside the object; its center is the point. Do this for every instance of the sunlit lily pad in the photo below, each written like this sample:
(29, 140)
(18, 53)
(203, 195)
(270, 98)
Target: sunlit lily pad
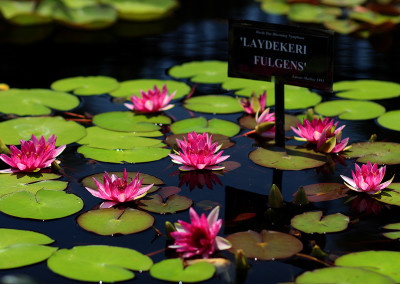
(220, 139)
(13, 130)
(293, 158)
(278, 7)
(313, 222)
(86, 86)
(266, 245)
(250, 85)
(22, 12)
(308, 13)
(98, 263)
(249, 121)
(35, 101)
(174, 203)
(375, 152)
(395, 233)
(111, 221)
(350, 110)
(325, 191)
(390, 195)
(133, 87)
(174, 271)
(343, 3)
(200, 125)
(210, 72)
(44, 205)
(366, 89)
(19, 248)
(390, 120)
(213, 104)
(344, 26)
(368, 16)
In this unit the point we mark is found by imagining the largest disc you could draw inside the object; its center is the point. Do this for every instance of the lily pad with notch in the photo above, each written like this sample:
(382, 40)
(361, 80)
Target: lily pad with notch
(209, 72)
(387, 153)
(155, 203)
(200, 125)
(313, 222)
(390, 120)
(350, 109)
(86, 86)
(366, 89)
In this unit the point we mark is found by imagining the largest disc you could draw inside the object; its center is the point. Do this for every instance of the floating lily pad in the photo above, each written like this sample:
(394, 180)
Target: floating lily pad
(213, 104)
(111, 221)
(200, 125)
(98, 263)
(174, 203)
(345, 26)
(368, 16)
(390, 120)
(220, 139)
(130, 122)
(266, 245)
(325, 191)
(35, 101)
(390, 195)
(312, 222)
(343, 3)
(23, 13)
(308, 13)
(375, 152)
(366, 89)
(174, 271)
(44, 205)
(30, 182)
(86, 86)
(395, 234)
(21, 248)
(350, 110)
(209, 72)
(278, 7)
(13, 130)
(249, 85)
(249, 121)
(293, 158)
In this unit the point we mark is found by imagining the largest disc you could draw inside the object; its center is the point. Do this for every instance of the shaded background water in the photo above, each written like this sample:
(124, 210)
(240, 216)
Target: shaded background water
(36, 57)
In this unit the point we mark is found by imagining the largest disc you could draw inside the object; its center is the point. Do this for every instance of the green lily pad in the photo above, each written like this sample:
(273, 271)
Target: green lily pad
(209, 72)
(277, 7)
(200, 125)
(137, 155)
(249, 121)
(10, 183)
(86, 86)
(343, 275)
(267, 245)
(174, 203)
(98, 263)
(130, 122)
(376, 152)
(111, 221)
(383, 262)
(308, 13)
(345, 26)
(174, 271)
(35, 101)
(390, 195)
(343, 3)
(13, 130)
(21, 248)
(325, 191)
(44, 205)
(293, 158)
(350, 110)
(390, 120)
(312, 222)
(395, 234)
(133, 87)
(250, 85)
(23, 13)
(213, 104)
(366, 90)
(368, 16)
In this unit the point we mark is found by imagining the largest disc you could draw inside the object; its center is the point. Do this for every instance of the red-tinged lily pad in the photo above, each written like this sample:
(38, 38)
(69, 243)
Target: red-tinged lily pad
(249, 121)
(267, 245)
(387, 153)
(173, 270)
(395, 233)
(345, 26)
(43, 205)
(308, 13)
(390, 120)
(292, 158)
(390, 195)
(209, 72)
(86, 86)
(111, 221)
(174, 203)
(350, 109)
(367, 89)
(20, 248)
(200, 125)
(312, 222)
(213, 104)
(325, 191)
(98, 263)
(220, 139)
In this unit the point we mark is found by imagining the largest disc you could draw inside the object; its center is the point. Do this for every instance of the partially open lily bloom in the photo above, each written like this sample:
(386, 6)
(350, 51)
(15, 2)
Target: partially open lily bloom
(367, 179)
(266, 124)
(254, 104)
(199, 238)
(312, 131)
(33, 156)
(117, 190)
(151, 101)
(198, 153)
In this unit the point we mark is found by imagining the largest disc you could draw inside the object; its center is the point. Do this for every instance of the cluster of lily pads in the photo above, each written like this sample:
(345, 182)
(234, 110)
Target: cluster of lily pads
(30, 189)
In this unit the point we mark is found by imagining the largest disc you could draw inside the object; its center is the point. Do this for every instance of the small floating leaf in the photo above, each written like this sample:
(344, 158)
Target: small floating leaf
(375, 152)
(312, 222)
(200, 125)
(86, 86)
(174, 203)
(213, 104)
(325, 191)
(366, 89)
(390, 120)
(210, 72)
(350, 109)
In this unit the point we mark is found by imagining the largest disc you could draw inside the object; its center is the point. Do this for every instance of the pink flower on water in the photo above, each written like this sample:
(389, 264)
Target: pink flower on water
(266, 124)
(367, 179)
(152, 101)
(34, 155)
(254, 104)
(198, 153)
(118, 190)
(200, 237)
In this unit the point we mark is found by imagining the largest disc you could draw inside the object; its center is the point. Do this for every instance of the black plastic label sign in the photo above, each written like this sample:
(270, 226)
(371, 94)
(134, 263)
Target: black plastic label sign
(291, 55)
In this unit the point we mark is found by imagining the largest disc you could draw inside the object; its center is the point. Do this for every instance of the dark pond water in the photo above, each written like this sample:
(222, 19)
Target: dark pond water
(34, 58)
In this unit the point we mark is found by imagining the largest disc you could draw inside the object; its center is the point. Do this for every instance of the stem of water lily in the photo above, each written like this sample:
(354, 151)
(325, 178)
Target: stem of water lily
(309, 257)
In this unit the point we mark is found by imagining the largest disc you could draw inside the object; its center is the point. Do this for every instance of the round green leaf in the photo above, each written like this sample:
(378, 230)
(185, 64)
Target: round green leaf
(23, 13)
(210, 72)
(375, 152)
(267, 245)
(350, 110)
(10, 237)
(366, 89)
(86, 86)
(312, 222)
(213, 104)
(343, 3)
(390, 120)
(278, 7)
(308, 13)
(111, 221)
(344, 26)
(200, 125)
(325, 191)
(293, 158)
(173, 270)
(174, 203)
(44, 205)
(251, 86)
(98, 263)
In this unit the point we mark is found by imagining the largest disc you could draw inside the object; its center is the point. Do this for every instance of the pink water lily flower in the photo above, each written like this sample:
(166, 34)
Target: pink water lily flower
(199, 238)
(254, 104)
(312, 131)
(151, 101)
(33, 156)
(198, 153)
(367, 179)
(266, 124)
(117, 190)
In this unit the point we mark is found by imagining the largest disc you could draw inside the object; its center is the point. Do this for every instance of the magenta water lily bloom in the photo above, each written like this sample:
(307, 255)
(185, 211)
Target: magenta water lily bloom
(266, 124)
(117, 190)
(198, 153)
(199, 238)
(254, 104)
(33, 156)
(367, 179)
(151, 101)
